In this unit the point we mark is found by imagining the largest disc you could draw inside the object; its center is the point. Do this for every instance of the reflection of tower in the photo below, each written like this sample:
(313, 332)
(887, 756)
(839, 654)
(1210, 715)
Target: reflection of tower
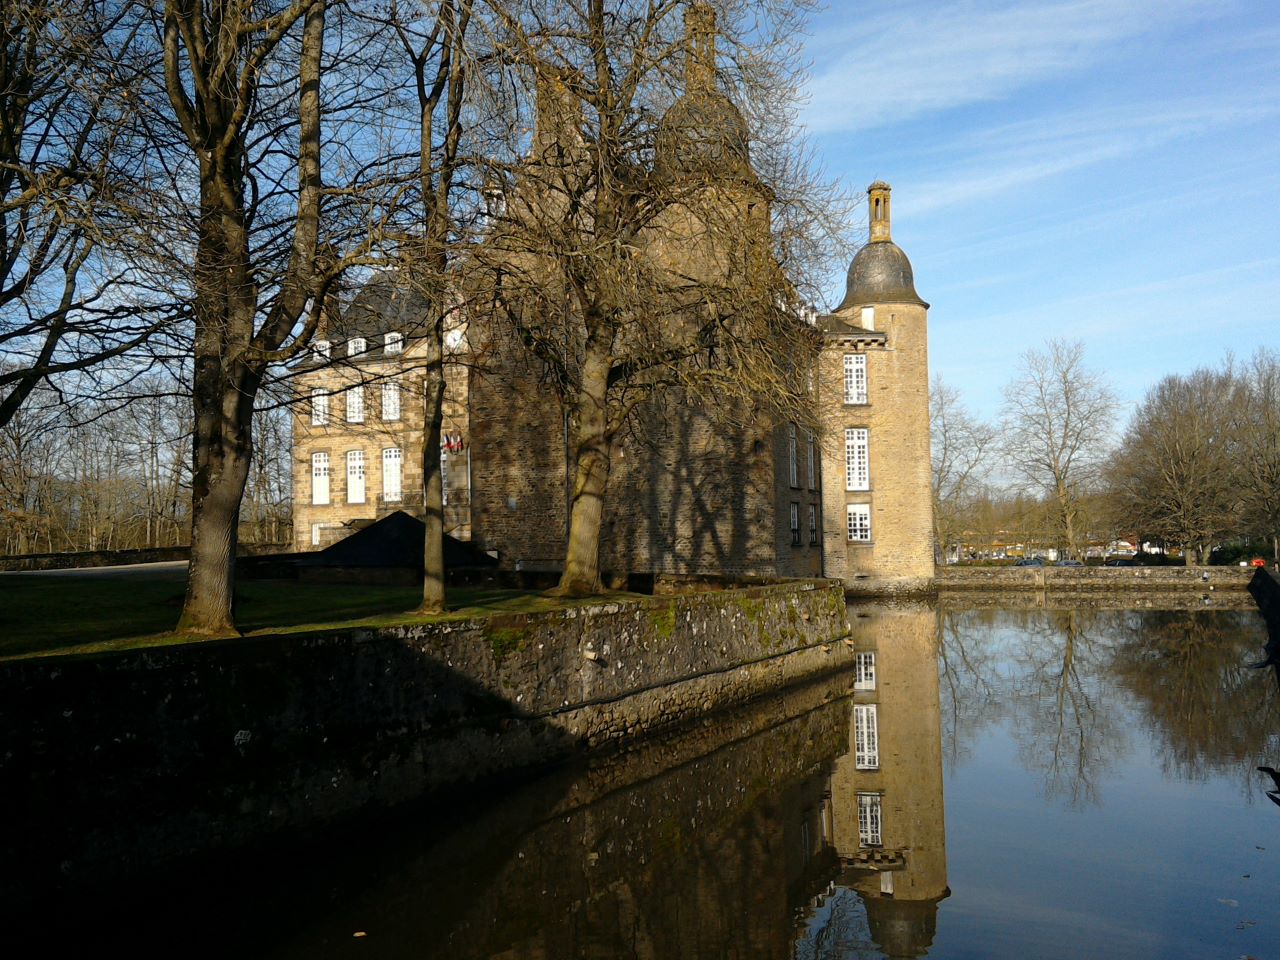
(886, 793)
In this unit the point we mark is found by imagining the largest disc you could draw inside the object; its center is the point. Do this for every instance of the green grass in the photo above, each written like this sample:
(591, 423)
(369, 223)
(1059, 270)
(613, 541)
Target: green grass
(83, 614)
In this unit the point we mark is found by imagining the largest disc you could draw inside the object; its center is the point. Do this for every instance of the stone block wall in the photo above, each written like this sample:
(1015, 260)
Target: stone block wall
(113, 763)
(896, 416)
(1092, 578)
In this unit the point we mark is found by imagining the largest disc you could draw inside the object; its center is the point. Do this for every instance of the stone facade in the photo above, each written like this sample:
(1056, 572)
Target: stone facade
(688, 493)
(359, 404)
(873, 404)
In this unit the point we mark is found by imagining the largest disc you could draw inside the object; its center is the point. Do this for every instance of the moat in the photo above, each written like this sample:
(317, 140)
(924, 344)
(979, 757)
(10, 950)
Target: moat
(986, 783)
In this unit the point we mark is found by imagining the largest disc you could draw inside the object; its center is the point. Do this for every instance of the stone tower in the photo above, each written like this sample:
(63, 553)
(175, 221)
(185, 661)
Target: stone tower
(874, 405)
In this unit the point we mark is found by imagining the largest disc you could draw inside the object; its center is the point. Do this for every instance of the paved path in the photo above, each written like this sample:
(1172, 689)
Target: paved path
(170, 570)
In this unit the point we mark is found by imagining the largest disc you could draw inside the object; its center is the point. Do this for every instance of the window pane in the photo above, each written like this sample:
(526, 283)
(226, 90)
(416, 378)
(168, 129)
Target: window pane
(855, 378)
(857, 459)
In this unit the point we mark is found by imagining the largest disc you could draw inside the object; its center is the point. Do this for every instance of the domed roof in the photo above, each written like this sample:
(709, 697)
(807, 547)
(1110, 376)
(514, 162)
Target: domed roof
(880, 273)
(703, 134)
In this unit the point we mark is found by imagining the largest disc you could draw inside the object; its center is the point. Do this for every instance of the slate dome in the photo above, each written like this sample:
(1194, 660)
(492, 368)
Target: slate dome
(880, 273)
(703, 134)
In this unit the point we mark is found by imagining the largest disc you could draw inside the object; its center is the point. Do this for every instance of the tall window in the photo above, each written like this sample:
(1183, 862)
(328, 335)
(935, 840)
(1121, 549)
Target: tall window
(392, 343)
(356, 346)
(793, 466)
(795, 524)
(391, 461)
(320, 478)
(866, 738)
(860, 522)
(857, 459)
(355, 476)
(869, 819)
(813, 523)
(864, 665)
(321, 348)
(355, 404)
(444, 478)
(319, 407)
(391, 400)
(811, 459)
(868, 318)
(855, 378)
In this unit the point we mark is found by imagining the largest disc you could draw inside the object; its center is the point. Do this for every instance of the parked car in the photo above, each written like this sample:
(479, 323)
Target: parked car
(1257, 562)
(1029, 562)
(1121, 562)
(1068, 563)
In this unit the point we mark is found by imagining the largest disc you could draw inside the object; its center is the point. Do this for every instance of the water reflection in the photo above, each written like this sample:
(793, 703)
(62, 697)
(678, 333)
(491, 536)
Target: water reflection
(811, 825)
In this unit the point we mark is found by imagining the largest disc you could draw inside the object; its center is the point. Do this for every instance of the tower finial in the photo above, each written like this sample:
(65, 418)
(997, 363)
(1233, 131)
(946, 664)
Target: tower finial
(700, 43)
(878, 204)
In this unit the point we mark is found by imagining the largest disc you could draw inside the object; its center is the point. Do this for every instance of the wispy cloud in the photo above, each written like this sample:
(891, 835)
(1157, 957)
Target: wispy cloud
(1000, 158)
(927, 56)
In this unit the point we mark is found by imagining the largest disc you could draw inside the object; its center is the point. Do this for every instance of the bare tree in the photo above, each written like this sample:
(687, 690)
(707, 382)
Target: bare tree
(1257, 432)
(1178, 480)
(230, 73)
(635, 259)
(961, 454)
(73, 177)
(1057, 422)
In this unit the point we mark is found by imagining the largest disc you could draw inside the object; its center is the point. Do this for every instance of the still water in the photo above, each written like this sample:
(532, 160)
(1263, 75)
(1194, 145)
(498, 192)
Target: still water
(987, 783)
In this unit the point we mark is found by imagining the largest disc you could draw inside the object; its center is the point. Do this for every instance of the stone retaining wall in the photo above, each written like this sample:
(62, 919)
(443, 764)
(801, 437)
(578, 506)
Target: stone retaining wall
(1091, 578)
(113, 763)
(115, 558)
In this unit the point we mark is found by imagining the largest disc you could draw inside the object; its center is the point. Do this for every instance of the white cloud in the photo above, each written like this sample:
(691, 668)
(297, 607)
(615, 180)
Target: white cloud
(927, 56)
(999, 158)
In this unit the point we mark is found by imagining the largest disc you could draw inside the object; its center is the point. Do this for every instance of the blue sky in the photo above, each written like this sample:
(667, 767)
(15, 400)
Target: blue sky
(1101, 169)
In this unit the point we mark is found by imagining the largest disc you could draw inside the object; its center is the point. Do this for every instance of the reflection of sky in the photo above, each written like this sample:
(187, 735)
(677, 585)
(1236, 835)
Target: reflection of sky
(1139, 873)
(838, 930)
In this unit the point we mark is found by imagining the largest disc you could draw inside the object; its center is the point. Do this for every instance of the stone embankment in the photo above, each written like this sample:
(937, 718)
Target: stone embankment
(113, 763)
(1068, 579)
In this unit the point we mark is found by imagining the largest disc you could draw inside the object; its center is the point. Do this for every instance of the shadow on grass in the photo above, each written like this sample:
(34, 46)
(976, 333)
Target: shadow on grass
(73, 614)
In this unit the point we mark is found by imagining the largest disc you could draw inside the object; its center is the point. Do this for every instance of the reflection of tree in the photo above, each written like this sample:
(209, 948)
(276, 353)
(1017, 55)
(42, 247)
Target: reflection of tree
(1209, 711)
(1064, 723)
(968, 677)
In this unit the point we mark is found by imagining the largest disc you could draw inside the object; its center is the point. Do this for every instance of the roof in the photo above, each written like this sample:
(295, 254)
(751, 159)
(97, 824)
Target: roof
(385, 304)
(394, 541)
(703, 133)
(880, 273)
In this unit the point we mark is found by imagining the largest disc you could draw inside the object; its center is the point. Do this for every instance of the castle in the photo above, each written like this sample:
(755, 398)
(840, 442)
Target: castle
(687, 494)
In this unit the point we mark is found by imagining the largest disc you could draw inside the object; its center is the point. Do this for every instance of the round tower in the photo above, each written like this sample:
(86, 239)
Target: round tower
(879, 510)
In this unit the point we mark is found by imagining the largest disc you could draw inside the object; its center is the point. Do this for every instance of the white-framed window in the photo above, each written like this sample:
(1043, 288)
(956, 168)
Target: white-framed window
(855, 378)
(319, 406)
(321, 348)
(866, 737)
(864, 666)
(793, 459)
(320, 478)
(795, 524)
(392, 459)
(869, 819)
(392, 342)
(857, 459)
(355, 404)
(356, 346)
(860, 522)
(813, 523)
(391, 400)
(315, 533)
(355, 476)
(811, 459)
(444, 478)
(868, 318)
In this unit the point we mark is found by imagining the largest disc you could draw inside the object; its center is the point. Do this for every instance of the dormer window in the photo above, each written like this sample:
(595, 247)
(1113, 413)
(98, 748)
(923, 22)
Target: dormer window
(868, 318)
(392, 343)
(356, 346)
(321, 348)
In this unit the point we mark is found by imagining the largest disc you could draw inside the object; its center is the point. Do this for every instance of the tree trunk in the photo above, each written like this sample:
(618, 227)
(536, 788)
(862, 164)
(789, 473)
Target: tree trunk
(207, 610)
(433, 593)
(590, 448)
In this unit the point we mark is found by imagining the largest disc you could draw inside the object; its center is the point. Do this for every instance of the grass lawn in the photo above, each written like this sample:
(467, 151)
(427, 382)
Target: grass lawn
(72, 613)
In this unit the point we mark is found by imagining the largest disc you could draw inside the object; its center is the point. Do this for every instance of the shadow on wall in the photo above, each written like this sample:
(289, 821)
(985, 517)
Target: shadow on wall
(116, 765)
